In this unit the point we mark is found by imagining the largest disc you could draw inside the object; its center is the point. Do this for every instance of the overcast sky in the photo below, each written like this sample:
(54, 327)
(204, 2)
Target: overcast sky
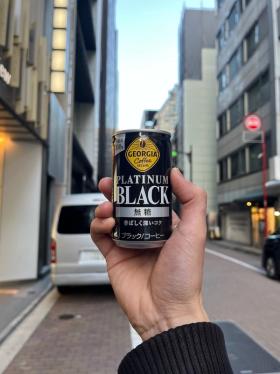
(148, 54)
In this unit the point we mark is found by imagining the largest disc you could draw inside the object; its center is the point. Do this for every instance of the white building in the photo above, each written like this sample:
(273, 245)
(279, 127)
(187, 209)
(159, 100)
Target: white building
(196, 133)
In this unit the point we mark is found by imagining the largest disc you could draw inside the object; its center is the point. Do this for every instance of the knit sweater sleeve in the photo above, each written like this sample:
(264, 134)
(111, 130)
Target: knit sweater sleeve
(198, 348)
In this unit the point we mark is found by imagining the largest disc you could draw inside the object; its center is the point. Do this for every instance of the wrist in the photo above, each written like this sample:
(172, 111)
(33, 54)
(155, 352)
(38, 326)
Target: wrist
(170, 322)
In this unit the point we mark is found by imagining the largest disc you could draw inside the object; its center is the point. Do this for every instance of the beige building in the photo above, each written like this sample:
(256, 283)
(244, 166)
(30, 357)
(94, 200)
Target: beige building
(167, 117)
(196, 133)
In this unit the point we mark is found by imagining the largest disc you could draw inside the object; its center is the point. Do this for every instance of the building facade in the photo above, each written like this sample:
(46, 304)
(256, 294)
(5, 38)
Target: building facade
(52, 92)
(167, 117)
(196, 132)
(96, 88)
(95, 112)
(148, 119)
(24, 84)
(248, 80)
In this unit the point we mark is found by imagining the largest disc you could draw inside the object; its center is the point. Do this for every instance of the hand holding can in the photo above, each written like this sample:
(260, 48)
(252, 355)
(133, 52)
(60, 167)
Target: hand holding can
(161, 288)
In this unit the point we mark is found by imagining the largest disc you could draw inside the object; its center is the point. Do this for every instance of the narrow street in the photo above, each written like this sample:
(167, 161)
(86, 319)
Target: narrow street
(86, 332)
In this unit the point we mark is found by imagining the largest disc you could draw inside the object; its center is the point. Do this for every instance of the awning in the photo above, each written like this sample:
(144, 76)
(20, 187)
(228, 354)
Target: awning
(15, 127)
(251, 196)
(273, 187)
(255, 196)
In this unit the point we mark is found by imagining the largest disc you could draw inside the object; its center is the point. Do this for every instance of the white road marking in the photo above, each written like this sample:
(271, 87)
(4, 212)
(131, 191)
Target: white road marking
(135, 338)
(16, 340)
(235, 261)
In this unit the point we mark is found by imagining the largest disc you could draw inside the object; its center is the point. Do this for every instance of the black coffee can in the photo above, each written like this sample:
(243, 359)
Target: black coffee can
(142, 196)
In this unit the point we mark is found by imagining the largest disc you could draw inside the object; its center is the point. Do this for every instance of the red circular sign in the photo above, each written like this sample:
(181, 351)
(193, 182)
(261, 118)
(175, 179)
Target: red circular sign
(253, 123)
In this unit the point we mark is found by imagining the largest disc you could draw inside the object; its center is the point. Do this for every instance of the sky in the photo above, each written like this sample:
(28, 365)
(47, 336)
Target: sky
(148, 54)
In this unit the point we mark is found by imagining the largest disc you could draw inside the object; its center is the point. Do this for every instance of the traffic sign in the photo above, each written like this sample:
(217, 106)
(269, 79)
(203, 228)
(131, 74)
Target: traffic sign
(253, 123)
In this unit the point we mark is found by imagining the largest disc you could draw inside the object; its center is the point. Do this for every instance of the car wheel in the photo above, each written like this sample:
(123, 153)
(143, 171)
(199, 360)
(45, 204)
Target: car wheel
(270, 268)
(63, 290)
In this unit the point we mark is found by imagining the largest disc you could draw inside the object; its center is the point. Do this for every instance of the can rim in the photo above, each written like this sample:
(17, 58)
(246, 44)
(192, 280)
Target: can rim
(142, 130)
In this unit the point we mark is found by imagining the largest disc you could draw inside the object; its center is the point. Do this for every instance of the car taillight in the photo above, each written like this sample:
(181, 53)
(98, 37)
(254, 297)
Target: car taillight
(53, 251)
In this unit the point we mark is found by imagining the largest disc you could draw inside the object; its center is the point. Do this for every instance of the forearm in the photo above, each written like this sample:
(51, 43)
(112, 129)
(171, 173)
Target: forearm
(197, 348)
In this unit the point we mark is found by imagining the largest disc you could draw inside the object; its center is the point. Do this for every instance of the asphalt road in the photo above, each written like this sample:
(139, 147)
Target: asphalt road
(86, 332)
(243, 294)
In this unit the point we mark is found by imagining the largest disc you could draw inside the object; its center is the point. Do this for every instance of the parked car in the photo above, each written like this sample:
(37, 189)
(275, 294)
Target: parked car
(75, 258)
(271, 255)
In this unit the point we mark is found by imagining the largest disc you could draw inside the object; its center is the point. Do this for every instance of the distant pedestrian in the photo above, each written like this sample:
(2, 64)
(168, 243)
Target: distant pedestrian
(161, 291)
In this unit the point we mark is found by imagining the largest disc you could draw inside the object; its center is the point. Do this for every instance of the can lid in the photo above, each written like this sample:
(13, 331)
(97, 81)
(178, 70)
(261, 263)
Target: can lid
(142, 131)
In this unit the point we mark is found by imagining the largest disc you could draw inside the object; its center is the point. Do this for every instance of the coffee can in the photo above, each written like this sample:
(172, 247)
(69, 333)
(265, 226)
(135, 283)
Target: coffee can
(142, 196)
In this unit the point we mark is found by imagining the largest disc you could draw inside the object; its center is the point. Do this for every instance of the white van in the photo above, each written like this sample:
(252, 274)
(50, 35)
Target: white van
(75, 258)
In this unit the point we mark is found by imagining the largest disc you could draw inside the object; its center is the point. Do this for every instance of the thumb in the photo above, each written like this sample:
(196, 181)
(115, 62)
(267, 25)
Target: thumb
(193, 200)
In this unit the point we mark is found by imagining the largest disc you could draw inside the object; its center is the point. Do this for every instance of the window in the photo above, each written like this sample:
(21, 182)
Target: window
(236, 62)
(220, 3)
(222, 124)
(255, 152)
(223, 170)
(222, 37)
(259, 93)
(75, 219)
(236, 112)
(253, 40)
(238, 163)
(223, 81)
(234, 15)
(256, 35)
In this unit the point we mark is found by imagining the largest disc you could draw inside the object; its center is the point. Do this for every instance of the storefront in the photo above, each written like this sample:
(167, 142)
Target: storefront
(235, 224)
(21, 176)
(24, 76)
(243, 221)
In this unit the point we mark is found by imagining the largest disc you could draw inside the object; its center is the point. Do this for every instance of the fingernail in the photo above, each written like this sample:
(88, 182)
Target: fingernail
(96, 209)
(178, 171)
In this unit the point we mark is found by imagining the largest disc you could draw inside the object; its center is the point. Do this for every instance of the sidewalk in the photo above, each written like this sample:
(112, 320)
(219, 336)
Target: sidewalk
(226, 244)
(17, 299)
(83, 332)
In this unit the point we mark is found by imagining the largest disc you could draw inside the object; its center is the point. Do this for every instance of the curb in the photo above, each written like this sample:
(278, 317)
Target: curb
(16, 321)
(236, 248)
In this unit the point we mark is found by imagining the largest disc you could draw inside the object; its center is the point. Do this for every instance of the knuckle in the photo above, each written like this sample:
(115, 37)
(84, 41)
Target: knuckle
(201, 194)
(92, 225)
